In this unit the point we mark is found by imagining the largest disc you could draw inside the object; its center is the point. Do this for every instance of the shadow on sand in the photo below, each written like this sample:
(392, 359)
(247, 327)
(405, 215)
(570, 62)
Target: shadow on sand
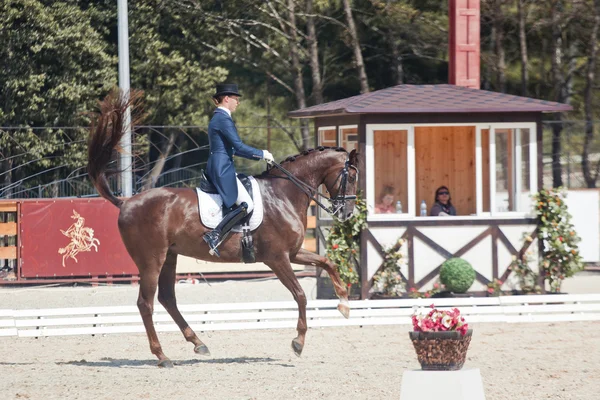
(124, 363)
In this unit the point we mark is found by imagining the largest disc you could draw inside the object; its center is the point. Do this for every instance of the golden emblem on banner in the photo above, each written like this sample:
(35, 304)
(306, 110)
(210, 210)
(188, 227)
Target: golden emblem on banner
(82, 239)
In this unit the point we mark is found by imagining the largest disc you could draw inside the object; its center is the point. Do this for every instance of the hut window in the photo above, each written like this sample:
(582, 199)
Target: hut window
(445, 156)
(390, 154)
(512, 170)
(327, 136)
(349, 137)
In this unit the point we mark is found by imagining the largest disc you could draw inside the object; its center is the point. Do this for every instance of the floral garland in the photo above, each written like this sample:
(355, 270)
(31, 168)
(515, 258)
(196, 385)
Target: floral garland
(343, 243)
(388, 280)
(436, 288)
(528, 280)
(557, 236)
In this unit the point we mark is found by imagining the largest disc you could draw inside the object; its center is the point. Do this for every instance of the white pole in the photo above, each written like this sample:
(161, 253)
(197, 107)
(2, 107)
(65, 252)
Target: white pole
(125, 160)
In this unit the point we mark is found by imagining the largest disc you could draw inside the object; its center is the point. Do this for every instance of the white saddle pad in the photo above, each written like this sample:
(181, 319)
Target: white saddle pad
(210, 208)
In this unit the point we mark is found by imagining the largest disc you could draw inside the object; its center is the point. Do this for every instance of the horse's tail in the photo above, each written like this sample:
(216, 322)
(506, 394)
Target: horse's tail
(106, 132)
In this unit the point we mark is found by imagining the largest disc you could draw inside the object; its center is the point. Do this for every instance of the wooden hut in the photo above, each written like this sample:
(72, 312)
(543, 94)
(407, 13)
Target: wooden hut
(486, 147)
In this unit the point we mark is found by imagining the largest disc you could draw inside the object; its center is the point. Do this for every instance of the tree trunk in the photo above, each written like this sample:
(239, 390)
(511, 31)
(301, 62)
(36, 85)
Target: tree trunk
(160, 162)
(313, 51)
(488, 70)
(358, 59)
(500, 52)
(589, 175)
(558, 82)
(397, 65)
(297, 71)
(523, 46)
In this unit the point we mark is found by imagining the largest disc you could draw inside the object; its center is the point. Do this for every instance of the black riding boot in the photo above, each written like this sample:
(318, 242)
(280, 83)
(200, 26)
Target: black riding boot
(216, 236)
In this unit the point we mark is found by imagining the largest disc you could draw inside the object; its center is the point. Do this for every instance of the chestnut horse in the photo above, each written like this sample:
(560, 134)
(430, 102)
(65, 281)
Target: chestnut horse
(158, 224)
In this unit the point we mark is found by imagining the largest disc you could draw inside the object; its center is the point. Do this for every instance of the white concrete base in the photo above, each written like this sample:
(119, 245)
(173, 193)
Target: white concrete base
(465, 384)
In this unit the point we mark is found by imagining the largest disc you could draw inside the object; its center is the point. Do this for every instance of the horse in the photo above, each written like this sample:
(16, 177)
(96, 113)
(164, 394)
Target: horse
(158, 224)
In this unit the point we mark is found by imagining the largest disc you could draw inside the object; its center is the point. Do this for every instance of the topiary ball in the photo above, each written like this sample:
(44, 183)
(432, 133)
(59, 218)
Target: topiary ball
(457, 275)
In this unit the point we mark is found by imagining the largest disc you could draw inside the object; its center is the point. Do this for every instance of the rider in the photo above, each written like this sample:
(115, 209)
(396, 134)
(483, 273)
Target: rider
(224, 143)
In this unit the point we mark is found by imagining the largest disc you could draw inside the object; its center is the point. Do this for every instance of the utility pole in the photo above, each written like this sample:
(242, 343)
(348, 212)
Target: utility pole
(125, 157)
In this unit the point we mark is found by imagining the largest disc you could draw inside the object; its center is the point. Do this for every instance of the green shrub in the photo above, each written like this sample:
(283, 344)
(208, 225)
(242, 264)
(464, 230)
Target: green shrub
(457, 275)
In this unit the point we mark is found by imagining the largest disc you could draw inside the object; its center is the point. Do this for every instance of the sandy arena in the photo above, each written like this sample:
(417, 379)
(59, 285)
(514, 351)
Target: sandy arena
(517, 361)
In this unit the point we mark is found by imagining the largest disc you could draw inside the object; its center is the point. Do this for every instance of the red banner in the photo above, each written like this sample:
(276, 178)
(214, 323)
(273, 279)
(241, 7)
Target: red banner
(72, 237)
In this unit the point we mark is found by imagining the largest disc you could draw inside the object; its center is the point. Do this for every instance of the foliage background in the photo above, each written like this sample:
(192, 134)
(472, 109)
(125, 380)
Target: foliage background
(58, 58)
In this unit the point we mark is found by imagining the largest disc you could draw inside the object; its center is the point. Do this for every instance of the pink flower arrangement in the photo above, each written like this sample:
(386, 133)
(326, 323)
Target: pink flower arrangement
(440, 320)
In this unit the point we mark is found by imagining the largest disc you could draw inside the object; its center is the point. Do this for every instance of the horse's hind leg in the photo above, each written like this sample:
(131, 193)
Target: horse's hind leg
(285, 273)
(148, 283)
(166, 297)
(306, 257)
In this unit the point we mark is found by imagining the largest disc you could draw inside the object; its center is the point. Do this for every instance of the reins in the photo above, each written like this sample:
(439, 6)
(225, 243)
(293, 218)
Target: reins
(338, 202)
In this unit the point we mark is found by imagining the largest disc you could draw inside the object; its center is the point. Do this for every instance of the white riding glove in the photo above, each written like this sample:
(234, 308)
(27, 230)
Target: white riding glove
(267, 156)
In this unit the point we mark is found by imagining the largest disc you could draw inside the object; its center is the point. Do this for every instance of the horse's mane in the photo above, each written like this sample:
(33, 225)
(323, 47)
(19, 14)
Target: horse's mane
(305, 153)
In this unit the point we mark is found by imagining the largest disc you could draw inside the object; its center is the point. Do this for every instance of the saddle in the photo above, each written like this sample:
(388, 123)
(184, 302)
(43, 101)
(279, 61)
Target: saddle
(246, 225)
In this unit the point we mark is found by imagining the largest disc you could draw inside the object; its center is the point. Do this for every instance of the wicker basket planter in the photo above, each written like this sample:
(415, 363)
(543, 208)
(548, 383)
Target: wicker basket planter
(441, 351)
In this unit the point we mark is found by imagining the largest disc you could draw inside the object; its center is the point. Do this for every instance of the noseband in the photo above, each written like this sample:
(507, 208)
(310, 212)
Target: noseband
(339, 201)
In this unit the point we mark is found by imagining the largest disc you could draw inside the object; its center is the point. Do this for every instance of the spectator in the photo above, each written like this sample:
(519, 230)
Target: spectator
(442, 205)
(386, 201)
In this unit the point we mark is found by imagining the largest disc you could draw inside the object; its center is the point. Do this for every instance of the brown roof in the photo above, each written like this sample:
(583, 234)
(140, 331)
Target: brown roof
(430, 99)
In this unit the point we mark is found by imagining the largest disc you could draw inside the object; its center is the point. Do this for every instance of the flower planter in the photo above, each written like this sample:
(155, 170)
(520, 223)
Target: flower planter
(441, 351)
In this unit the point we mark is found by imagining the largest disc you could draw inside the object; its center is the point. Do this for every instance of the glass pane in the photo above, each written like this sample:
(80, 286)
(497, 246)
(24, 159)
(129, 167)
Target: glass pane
(349, 138)
(327, 137)
(504, 181)
(525, 170)
(391, 176)
(504, 171)
(445, 156)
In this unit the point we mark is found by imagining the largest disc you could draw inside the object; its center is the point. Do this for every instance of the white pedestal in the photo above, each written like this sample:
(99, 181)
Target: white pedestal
(465, 384)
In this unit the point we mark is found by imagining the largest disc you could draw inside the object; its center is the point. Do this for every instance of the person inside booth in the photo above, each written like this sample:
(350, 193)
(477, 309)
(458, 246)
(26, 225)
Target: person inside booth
(442, 206)
(386, 201)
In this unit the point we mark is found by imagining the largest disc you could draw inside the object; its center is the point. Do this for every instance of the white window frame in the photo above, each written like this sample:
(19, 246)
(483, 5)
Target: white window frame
(411, 168)
(516, 132)
(340, 136)
(322, 215)
(325, 128)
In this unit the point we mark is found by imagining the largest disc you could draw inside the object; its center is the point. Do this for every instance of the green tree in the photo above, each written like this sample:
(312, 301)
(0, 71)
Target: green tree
(54, 68)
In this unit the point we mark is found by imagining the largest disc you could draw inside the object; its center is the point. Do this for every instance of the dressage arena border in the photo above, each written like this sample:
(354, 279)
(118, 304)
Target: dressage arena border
(277, 315)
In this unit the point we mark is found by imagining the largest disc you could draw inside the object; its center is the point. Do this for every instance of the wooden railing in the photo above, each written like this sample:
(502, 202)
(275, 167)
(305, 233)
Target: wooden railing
(278, 315)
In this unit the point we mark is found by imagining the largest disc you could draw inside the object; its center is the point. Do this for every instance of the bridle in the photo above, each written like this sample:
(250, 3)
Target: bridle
(339, 201)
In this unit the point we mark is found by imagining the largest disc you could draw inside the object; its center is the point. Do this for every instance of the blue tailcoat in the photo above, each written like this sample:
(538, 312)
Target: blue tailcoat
(224, 144)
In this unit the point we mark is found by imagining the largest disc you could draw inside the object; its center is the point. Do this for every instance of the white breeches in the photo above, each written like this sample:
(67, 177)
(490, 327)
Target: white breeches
(244, 196)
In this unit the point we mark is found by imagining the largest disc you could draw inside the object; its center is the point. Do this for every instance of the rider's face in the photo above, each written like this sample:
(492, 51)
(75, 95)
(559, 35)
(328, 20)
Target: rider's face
(232, 102)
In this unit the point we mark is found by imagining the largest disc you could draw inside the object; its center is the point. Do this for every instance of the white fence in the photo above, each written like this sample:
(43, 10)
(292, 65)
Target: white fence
(276, 315)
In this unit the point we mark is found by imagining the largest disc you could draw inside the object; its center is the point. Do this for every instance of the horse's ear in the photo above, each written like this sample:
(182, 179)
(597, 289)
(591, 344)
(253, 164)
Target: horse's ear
(353, 157)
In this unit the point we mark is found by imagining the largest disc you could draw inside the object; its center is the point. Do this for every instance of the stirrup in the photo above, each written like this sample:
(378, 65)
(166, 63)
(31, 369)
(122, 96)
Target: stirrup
(208, 238)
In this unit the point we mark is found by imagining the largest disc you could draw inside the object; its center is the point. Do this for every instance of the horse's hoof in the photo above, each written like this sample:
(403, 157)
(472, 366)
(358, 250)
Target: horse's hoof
(297, 347)
(202, 350)
(166, 363)
(344, 308)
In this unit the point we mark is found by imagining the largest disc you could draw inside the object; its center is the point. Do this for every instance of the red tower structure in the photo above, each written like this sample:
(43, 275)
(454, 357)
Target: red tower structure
(464, 43)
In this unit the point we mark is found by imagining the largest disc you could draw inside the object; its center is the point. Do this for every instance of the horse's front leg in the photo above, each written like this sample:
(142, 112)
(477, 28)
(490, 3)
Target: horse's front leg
(306, 257)
(283, 269)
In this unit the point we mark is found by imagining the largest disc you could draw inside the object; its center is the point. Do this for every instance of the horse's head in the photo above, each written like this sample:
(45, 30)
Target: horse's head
(341, 181)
